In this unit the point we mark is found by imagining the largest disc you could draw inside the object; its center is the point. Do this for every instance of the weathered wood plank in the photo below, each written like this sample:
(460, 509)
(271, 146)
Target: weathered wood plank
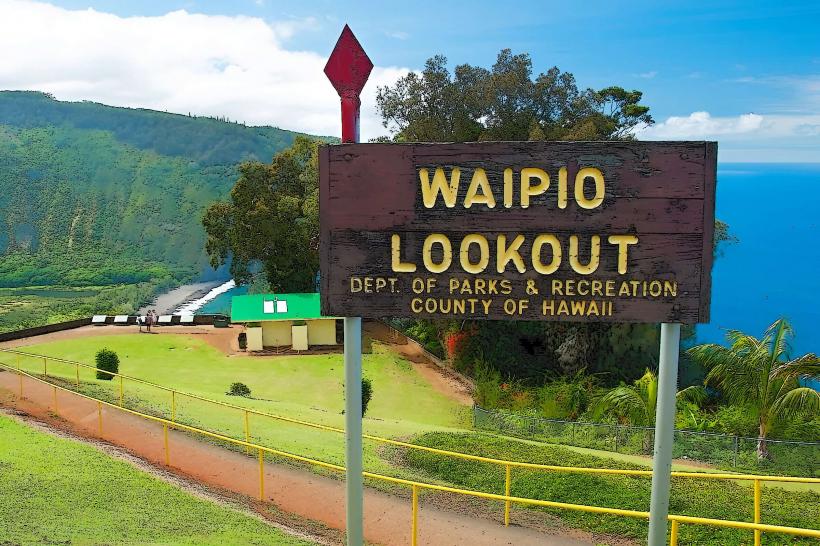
(660, 192)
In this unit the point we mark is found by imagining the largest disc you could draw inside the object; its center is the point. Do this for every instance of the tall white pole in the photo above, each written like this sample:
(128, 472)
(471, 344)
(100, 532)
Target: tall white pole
(664, 433)
(353, 380)
(348, 69)
(353, 430)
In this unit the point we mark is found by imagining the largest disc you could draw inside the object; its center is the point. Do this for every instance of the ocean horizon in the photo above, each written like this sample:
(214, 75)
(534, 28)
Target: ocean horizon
(773, 270)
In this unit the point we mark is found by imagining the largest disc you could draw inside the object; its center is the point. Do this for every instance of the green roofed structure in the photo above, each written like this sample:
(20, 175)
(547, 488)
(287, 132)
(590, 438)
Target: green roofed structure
(283, 320)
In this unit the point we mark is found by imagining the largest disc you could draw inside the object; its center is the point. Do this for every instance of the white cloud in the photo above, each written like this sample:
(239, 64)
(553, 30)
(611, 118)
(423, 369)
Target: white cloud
(700, 125)
(180, 62)
(648, 75)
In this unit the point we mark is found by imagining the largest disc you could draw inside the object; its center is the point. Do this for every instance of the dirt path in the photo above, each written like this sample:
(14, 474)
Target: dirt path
(442, 380)
(292, 490)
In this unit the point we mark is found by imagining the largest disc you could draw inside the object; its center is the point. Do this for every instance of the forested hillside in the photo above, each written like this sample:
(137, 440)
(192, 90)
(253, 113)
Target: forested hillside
(99, 197)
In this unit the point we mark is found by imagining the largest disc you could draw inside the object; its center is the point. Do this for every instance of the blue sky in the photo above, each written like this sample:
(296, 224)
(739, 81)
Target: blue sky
(744, 73)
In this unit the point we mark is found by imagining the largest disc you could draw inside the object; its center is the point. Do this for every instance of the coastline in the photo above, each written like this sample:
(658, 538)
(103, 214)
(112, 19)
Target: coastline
(168, 302)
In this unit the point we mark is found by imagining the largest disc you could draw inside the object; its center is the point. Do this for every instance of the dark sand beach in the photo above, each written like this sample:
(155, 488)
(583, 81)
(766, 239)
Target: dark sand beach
(168, 302)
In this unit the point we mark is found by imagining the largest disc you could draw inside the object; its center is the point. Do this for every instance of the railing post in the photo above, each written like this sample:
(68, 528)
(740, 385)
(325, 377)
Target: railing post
(165, 439)
(507, 494)
(99, 417)
(247, 431)
(673, 534)
(261, 475)
(56, 409)
(414, 532)
(78, 375)
(45, 367)
(121, 392)
(174, 406)
(21, 382)
(757, 511)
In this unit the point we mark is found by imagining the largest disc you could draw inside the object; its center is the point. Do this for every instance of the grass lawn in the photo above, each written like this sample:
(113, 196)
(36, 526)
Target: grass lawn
(639, 461)
(58, 491)
(304, 387)
(703, 498)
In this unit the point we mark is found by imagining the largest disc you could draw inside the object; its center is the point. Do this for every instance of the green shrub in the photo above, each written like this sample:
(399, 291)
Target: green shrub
(426, 333)
(548, 404)
(567, 397)
(802, 430)
(367, 393)
(107, 361)
(736, 420)
(691, 417)
(239, 389)
(489, 391)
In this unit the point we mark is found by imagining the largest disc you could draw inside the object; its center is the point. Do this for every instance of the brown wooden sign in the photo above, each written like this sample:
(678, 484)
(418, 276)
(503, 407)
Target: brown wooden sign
(574, 231)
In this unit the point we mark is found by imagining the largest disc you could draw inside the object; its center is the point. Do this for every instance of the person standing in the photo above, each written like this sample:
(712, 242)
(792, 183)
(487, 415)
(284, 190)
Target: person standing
(149, 320)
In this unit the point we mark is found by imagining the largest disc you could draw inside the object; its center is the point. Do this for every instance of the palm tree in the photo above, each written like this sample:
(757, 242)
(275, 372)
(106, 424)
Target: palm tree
(636, 403)
(759, 373)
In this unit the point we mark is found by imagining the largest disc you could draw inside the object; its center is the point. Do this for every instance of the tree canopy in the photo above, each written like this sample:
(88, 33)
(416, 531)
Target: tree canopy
(505, 103)
(271, 219)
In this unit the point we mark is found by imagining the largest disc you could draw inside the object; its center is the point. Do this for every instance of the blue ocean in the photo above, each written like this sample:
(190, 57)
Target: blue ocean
(773, 270)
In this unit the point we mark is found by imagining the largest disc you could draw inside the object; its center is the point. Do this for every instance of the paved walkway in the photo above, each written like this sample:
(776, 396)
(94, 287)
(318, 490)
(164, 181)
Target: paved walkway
(292, 490)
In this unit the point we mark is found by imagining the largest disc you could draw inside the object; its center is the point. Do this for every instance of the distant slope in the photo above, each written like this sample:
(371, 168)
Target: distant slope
(98, 196)
(205, 140)
(80, 178)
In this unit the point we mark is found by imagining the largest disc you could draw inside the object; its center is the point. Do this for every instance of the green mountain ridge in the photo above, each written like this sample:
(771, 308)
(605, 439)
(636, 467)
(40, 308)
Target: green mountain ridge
(94, 195)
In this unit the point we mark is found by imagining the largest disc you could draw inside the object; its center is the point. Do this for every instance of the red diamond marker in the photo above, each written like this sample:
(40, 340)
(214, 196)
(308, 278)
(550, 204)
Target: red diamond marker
(348, 66)
(348, 69)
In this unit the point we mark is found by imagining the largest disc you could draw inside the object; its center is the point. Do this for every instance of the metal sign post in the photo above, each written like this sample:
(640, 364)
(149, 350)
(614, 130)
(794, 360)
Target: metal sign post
(664, 433)
(348, 69)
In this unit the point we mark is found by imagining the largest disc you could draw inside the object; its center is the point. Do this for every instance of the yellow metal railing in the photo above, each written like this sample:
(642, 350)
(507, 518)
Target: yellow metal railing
(675, 520)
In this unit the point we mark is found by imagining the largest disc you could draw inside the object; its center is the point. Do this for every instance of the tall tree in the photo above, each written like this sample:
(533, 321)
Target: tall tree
(759, 373)
(505, 103)
(272, 219)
